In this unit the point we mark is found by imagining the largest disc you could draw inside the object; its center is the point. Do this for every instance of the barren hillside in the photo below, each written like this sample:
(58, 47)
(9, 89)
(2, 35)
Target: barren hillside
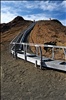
(13, 28)
(20, 80)
(49, 31)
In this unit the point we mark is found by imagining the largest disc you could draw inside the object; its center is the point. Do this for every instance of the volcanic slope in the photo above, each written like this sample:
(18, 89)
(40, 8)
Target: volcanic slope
(20, 80)
(13, 28)
(50, 32)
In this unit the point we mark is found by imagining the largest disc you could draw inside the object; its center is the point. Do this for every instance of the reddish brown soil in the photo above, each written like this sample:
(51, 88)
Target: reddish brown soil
(49, 32)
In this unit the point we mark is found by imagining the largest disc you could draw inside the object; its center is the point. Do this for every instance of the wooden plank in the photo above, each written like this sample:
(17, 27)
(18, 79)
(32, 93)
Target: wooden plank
(46, 62)
(56, 65)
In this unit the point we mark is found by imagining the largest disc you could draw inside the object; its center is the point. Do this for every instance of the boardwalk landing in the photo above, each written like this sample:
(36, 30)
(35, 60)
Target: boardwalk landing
(46, 62)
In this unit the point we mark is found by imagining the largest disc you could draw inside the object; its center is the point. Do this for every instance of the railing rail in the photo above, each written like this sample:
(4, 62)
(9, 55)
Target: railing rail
(42, 45)
(22, 35)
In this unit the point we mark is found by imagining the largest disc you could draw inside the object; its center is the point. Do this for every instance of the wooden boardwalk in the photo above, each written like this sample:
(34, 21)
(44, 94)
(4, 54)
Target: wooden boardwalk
(45, 63)
(19, 50)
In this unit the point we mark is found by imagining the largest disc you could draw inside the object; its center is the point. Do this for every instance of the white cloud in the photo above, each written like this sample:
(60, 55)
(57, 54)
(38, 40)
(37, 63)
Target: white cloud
(48, 6)
(26, 7)
(6, 17)
(45, 5)
(63, 22)
(7, 14)
(63, 4)
(32, 5)
(37, 17)
(42, 16)
(53, 5)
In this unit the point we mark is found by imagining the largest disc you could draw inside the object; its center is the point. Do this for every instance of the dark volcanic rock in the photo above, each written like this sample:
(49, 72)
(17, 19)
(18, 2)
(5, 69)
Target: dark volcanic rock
(16, 22)
(18, 18)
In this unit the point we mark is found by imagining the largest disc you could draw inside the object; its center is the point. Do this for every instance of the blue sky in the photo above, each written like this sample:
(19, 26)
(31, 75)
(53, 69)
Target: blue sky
(33, 10)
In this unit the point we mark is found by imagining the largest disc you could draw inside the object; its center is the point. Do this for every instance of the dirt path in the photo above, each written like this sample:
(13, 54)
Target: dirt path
(20, 80)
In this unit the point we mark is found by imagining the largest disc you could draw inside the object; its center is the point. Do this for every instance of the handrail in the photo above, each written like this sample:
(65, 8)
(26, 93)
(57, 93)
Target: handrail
(26, 32)
(42, 45)
(19, 36)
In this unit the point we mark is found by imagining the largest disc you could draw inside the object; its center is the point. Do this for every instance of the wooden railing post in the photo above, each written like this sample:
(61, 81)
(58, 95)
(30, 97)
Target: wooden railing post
(15, 51)
(53, 53)
(23, 47)
(37, 49)
(65, 54)
(26, 47)
(40, 57)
